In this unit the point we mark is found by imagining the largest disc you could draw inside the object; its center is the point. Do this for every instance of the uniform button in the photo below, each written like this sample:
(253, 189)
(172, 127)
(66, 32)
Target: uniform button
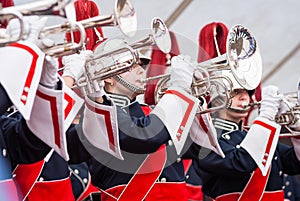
(182, 128)
(275, 158)
(264, 160)
(187, 176)
(163, 179)
(289, 194)
(280, 173)
(170, 142)
(26, 89)
(76, 171)
(287, 183)
(4, 152)
(85, 180)
(227, 137)
(178, 134)
(23, 98)
(266, 154)
(41, 179)
(238, 146)
(285, 175)
(178, 160)
(283, 187)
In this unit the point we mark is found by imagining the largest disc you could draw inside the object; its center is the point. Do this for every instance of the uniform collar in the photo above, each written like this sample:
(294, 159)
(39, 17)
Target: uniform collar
(226, 125)
(120, 100)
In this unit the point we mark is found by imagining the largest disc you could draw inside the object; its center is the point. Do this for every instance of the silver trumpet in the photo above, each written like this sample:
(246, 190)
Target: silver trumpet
(124, 17)
(61, 8)
(97, 68)
(290, 116)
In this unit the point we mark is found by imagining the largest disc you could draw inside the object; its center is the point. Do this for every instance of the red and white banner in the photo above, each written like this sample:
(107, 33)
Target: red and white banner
(21, 68)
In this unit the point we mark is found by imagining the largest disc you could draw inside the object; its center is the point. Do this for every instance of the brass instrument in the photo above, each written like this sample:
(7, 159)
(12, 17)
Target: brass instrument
(124, 16)
(242, 59)
(61, 8)
(290, 102)
(98, 68)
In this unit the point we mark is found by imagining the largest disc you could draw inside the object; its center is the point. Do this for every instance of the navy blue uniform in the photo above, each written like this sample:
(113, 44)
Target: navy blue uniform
(108, 171)
(231, 174)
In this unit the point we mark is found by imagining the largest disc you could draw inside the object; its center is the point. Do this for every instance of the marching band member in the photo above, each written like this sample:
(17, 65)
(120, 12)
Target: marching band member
(126, 165)
(254, 163)
(206, 51)
(22, 150)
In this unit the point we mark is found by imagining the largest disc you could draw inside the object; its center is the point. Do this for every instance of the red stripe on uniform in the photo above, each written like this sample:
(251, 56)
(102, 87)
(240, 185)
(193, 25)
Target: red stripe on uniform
(54, 115)
(31, 69)
(272, 135)
(70, 103)
(106, 115)
(189, 109)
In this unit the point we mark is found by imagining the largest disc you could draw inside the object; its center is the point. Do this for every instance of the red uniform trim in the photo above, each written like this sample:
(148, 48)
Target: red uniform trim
(70, 103)
(54, 114)
(106, 115)
(270, 142)
(27, 175)
(256, 186)
(146, 176)
(90, 189)
(165, 191)
(143, 180)
(31, 69)
(52, 190)
(194, 193)
(267, 196)
(187, 113)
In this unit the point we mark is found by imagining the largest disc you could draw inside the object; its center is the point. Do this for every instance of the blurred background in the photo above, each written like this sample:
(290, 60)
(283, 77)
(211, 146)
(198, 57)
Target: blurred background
(274, 24)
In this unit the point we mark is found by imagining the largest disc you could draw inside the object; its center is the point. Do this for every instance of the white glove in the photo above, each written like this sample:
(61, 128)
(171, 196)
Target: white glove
(181, 72)
(32, 26)
(49, 73)
(270, 102)
(74, 64)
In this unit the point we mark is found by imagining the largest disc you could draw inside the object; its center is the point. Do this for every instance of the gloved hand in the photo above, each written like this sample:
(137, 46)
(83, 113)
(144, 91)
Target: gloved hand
(49, 73)
(32, 26)
(270, 102)
(181, 72)
(74, 64)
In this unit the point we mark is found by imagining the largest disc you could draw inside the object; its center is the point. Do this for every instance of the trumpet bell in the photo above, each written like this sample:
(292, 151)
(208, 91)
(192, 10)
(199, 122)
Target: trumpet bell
(126, 17)
(244, 57)
(161, 35)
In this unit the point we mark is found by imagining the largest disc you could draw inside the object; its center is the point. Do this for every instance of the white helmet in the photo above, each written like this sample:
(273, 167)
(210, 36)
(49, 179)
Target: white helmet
(235, 84)
(117, 43)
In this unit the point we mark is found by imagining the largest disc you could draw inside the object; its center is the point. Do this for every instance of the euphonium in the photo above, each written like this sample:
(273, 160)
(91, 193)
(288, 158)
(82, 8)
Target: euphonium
(242, 59)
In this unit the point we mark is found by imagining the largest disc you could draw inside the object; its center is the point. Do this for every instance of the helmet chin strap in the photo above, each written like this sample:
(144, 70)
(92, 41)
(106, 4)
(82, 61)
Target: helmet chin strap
(130, 86)
(238, 110)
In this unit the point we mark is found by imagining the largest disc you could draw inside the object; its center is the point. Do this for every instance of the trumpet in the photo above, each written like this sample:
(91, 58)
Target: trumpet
(89, 82)
(61, 8)
(124, 16)
(242, 59)
(290, 102)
